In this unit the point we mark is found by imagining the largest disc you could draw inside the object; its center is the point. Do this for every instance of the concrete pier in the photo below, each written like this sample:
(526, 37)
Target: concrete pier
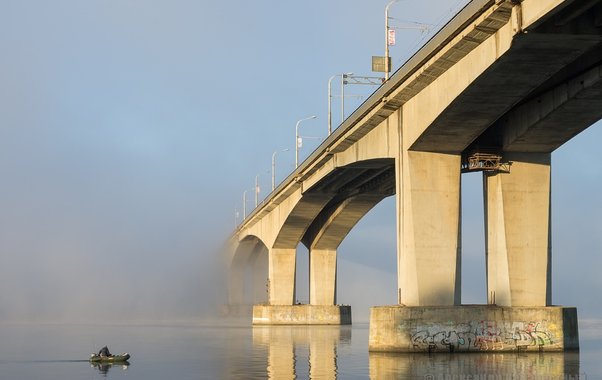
(301, 315)
(518, 237)
(473, 328)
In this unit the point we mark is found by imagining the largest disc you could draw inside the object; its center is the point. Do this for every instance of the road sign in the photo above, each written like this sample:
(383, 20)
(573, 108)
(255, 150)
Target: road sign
(378, 64)
(391, 36)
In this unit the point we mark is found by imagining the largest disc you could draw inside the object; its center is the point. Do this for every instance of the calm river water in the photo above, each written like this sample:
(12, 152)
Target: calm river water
(245, 352)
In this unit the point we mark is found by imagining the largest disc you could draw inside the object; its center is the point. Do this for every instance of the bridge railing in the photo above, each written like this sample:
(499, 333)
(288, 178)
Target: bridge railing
(378, 98)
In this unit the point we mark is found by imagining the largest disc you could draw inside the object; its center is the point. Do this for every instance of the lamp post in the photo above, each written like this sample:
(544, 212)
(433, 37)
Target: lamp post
(244, 205)
(244, 198)
(297, 139)
(274, 167)
(343, 76)
(256, 190)
(343, 97)
(387, 68)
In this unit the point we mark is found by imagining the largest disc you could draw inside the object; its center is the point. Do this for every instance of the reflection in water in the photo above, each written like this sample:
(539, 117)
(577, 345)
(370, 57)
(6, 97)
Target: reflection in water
(287, 346)
(103, 368)
(312, 352)
(548, 365)
(245, 353)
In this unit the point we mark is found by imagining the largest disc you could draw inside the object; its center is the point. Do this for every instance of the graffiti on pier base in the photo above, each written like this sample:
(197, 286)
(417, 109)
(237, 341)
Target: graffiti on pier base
(484, 336)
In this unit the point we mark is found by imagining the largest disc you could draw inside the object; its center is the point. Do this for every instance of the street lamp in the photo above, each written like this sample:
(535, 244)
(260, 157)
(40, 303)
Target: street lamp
(235, 218)
(244, 198)
(256, 190)
(297, 139)
(343, 76)
(274, 167)
(244, 205)
(387, 68)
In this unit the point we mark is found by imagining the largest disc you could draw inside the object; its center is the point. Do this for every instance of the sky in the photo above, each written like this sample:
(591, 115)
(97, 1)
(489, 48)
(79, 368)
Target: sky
(129, 130)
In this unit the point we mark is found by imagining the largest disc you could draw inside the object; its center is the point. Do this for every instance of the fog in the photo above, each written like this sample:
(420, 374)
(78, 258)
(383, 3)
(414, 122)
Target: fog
(130, 129)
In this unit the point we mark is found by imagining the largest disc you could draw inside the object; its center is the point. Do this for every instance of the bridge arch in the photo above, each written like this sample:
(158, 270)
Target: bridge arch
(362, 185)
(248, 272)
(370, 182)
(319, 216)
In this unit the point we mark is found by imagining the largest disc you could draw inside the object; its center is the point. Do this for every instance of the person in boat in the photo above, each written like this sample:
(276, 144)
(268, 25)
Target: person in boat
(104, 352)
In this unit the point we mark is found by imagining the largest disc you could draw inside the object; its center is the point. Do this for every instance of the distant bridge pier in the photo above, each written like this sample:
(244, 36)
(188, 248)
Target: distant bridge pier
(260, 265)
(281, 288)
(247, 279)
(323, 238)
(322, 277)
(282, 308)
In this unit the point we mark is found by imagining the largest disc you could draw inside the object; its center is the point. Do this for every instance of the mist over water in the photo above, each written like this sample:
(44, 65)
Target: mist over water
(78, 278)
(95, 233)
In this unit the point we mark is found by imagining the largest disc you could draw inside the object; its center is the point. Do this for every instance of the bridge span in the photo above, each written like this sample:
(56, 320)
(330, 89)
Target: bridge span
(497, 90)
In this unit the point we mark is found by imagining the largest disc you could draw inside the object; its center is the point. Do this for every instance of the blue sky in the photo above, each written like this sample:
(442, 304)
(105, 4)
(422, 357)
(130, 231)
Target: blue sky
(130, 129)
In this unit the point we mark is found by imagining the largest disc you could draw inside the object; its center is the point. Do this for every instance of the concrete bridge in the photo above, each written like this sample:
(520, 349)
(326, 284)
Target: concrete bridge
(497, 90)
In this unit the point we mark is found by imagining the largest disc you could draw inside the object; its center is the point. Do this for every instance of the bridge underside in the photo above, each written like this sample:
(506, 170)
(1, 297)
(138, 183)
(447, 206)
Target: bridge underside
(539, 94)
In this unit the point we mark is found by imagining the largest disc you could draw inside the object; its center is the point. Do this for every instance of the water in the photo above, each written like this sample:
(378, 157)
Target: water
(276, 352)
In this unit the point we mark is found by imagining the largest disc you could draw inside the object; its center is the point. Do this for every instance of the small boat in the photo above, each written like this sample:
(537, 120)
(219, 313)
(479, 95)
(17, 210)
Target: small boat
(95, 358)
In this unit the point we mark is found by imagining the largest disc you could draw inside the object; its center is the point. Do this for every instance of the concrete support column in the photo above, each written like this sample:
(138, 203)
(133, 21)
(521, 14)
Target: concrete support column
(322, 277)
(517, 232)
(282, 276)
(260, 277)
(428, 220)
(236, 279)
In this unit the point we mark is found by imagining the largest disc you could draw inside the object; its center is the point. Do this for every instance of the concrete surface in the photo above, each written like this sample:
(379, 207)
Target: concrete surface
(473, 328)
(301, 315)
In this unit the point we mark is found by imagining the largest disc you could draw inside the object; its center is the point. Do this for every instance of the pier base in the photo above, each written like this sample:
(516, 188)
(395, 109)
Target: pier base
(301, 315)
(473, 328)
